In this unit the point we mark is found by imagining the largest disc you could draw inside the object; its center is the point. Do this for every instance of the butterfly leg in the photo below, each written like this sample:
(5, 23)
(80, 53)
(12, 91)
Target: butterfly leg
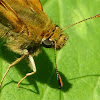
(14, 63)
(32, 64)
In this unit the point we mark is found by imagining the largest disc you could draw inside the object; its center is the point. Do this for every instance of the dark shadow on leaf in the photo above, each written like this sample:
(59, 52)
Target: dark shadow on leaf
(4, 86)
(45, 73)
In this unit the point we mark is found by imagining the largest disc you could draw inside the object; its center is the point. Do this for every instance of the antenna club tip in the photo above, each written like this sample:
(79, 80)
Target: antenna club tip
(97, 15)
(60, 83)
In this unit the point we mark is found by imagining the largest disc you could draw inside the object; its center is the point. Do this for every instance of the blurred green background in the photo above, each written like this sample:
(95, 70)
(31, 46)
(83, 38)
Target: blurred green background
(78, 61)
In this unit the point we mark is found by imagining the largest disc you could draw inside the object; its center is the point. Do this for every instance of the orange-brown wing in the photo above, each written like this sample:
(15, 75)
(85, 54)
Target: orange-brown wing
(23, 11)
(32, 3)
(8, 13)
(23, 15)
(38, 4)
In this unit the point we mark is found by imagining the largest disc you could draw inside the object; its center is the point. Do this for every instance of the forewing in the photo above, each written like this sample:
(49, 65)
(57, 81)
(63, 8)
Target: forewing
(38, 4)
(19, 13)
(9, 17)
(32, 3)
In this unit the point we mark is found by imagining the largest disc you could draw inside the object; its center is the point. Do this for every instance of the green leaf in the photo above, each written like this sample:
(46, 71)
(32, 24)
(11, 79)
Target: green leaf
(78, 61)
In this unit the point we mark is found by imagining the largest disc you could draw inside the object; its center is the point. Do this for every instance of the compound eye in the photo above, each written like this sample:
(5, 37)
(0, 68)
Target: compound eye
(47, 43)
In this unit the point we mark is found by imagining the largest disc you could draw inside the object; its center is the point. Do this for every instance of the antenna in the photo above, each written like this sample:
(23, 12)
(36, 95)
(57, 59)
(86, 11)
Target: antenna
(81, 21)
(60, 83)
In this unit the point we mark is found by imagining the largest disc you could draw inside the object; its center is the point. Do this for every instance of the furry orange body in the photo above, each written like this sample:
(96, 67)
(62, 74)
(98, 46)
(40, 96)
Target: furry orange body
(25, 28)
(30, 27)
